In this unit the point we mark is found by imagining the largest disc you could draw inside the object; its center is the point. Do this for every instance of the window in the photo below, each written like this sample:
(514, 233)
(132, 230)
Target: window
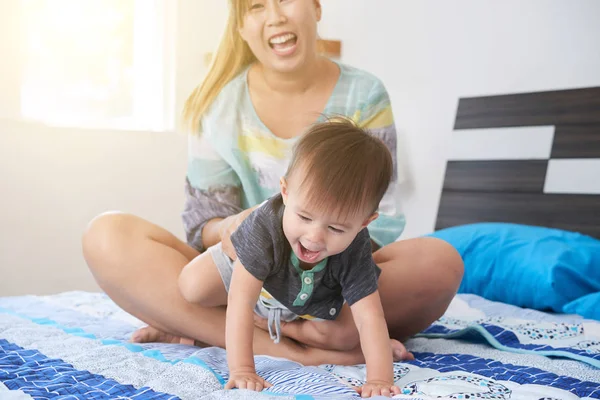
(98, 63)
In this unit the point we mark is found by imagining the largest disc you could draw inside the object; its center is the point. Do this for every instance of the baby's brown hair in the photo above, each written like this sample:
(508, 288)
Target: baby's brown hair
(346, 170)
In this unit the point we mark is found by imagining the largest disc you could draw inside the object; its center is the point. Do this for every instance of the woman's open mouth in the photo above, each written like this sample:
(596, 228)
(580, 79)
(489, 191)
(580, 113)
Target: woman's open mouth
(283, 44)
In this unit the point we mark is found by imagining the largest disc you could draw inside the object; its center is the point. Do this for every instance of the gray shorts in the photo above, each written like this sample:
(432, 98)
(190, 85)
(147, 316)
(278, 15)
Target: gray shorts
(266, 307)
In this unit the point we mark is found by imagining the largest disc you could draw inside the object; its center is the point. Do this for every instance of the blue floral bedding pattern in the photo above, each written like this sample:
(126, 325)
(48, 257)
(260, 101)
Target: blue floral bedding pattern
(75, 345)
(572, 337)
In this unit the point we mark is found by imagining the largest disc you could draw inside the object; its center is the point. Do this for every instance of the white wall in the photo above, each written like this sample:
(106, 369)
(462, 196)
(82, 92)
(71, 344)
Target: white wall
(54, 180)
(429, 53)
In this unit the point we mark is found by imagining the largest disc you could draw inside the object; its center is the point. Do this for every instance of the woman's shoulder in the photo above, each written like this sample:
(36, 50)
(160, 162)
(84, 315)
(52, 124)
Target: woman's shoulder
(222, 115)
(359, 80)
(358, 90)
(232, 94)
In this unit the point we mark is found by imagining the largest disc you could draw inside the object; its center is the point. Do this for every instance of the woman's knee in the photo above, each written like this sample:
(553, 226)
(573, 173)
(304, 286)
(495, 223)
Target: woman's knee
(430, 257)
(440, 262)
(421, 277)
(104, 235)
(447, 260)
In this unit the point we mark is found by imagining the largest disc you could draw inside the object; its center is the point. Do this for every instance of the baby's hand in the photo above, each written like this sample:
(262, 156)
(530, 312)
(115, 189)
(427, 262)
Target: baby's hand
(378, 388)
(247, 380)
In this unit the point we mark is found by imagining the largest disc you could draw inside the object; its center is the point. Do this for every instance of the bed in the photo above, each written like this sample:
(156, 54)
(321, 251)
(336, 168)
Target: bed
(75, 344)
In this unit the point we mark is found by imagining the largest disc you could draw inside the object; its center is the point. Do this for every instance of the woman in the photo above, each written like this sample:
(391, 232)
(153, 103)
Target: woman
(266, 85)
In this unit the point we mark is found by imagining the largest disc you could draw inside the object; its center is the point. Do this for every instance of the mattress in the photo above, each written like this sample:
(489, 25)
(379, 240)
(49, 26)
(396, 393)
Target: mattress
(75, 345)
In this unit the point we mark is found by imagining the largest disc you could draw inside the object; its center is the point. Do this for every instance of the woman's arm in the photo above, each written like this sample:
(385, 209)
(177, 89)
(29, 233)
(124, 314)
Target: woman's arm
(213, 193)
(211, 231)
(220, 229)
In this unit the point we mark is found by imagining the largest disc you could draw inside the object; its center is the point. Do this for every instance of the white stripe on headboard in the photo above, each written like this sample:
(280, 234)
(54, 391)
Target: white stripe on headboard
(573, 176)
(519, 143)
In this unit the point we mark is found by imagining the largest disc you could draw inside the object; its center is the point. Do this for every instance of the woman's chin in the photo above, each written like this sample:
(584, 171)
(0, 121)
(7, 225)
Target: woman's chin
(285, 65)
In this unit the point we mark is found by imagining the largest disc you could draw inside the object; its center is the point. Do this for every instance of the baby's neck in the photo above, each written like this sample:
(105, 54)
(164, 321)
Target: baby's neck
(306, 266)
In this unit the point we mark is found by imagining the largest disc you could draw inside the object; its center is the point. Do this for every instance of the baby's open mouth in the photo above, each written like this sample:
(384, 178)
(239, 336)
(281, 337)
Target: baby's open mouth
(308, 255)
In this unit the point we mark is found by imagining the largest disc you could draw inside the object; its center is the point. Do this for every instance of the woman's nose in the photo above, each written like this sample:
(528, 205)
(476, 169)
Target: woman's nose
(275, 15)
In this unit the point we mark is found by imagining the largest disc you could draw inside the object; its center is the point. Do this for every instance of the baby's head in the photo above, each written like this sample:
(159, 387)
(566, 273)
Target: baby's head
(337, 177)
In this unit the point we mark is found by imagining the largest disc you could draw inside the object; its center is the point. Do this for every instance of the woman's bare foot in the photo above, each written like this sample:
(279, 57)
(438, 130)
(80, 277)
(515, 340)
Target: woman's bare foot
(399, 351)
(149, 334)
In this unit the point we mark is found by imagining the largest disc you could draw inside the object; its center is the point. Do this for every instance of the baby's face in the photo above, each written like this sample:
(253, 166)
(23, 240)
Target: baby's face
(314, 234)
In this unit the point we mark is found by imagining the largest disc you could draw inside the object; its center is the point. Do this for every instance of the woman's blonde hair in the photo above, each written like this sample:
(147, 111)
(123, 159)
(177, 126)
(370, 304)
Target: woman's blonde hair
(231, 58)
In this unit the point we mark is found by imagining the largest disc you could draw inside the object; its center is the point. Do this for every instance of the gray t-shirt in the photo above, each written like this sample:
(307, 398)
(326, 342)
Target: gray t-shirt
(320, 292)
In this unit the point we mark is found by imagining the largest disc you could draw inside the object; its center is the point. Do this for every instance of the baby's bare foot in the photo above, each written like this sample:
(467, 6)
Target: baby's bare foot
(149, 334)
(399, 351)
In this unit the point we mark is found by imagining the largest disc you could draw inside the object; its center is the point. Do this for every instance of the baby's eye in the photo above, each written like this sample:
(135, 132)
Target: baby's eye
(335, 230)
(303, 218)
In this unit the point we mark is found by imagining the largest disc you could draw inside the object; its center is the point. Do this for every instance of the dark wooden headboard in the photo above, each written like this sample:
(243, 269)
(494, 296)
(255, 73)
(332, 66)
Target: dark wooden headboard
(531, 158)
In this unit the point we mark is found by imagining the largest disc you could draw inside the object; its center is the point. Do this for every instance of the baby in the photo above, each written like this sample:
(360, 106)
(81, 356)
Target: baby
(306, 253)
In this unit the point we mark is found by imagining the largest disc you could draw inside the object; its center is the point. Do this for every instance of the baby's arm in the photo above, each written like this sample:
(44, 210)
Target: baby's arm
(375, 342)
(239, 330)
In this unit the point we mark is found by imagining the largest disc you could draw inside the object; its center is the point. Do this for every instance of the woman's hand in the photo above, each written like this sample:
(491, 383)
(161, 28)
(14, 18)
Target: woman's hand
(228, 226)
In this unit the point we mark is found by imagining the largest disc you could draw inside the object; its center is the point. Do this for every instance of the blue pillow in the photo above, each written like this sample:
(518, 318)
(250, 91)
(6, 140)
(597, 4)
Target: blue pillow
(529, 266)
(588, 306)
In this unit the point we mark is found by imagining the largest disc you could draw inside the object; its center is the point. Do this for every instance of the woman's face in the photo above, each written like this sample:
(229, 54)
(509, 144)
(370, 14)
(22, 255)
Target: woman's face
(282, 34)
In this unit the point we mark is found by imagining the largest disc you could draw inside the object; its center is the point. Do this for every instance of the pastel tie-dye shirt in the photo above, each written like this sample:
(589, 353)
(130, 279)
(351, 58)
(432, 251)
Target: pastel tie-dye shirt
(236, 162)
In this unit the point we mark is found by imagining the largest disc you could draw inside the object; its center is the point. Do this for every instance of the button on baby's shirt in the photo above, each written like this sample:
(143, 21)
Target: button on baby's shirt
(332, 312)
(303, 296)
(307, 280)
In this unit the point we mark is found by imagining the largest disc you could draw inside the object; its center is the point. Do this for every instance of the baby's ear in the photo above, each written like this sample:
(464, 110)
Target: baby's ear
(372, 218)
(284, 190)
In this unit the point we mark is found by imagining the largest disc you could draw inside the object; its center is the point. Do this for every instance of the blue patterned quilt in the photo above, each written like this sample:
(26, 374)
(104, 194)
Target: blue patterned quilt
(75, 346)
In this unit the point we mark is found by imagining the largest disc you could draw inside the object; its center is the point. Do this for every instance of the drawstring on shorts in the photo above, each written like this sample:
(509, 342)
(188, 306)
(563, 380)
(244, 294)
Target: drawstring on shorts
(274, 318)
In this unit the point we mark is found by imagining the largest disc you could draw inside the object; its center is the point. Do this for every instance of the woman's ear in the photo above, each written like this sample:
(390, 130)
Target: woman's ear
(318, 9)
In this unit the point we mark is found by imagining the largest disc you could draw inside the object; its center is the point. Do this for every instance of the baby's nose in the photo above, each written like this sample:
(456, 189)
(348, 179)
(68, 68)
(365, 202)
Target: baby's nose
(316, 237)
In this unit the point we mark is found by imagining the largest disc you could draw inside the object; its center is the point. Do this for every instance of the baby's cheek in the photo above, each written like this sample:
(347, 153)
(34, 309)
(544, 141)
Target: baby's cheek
(339, 244)
(290, 229)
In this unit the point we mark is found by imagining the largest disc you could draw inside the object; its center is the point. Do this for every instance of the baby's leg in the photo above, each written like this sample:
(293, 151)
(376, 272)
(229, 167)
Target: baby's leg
(200, 281)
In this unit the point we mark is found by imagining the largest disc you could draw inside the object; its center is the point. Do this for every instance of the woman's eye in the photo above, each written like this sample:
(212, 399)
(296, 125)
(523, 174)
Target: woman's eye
(256, 6)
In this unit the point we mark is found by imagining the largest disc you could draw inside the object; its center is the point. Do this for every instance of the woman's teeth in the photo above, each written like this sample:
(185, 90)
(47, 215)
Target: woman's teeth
(282, 38)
